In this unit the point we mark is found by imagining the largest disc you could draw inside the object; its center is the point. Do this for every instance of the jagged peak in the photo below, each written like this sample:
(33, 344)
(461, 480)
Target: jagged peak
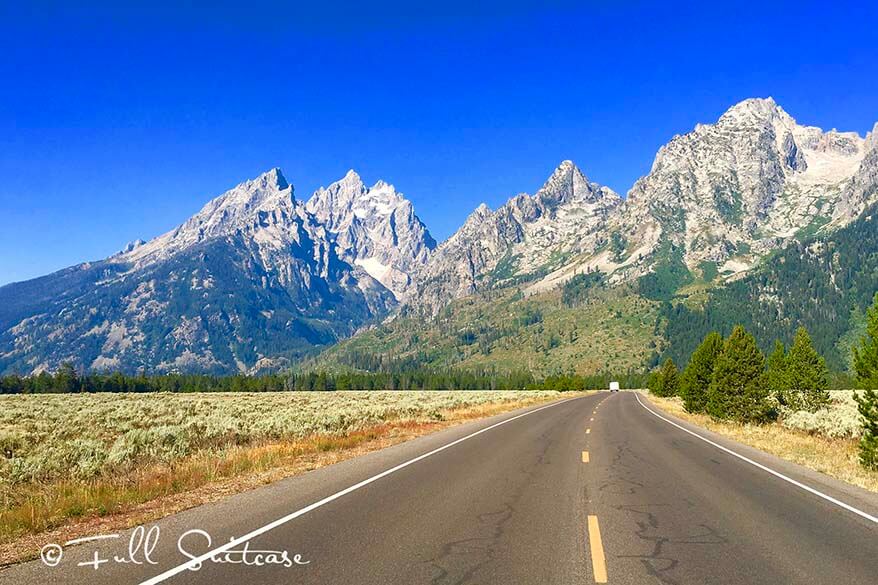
(567, 167)
(564, 173)
(351, 177)
(274, 177)
(872, 138)
(757, 109)
(384, 190)
(351, 192)
(478, 215)
(569, 182)
(268, 189)
(760, 105)
(222, 215)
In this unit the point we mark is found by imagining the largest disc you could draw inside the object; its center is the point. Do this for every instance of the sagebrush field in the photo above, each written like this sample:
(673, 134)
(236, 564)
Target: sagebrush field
(75, 455)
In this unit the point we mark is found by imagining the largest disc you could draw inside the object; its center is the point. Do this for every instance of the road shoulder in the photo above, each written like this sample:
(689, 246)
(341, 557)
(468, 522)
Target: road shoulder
(854, 495)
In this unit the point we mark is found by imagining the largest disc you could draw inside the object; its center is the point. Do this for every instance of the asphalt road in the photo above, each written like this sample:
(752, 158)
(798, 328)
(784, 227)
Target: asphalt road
(587, 490)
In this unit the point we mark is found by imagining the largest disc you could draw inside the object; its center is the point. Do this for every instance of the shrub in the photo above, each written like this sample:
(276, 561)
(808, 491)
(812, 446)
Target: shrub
(52, 436)
(838, 420)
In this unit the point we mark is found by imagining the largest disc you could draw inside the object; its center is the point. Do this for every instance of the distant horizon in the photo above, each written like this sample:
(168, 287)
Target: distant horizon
(125, 122)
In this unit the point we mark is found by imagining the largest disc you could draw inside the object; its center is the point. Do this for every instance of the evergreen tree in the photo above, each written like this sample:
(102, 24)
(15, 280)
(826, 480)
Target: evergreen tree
(866, 366)
(777, 377)
(654, 383)
(698, 374)
(867, 405)
(672, 378)
(668, 380)
(738, 390)
(807, 374)
(866, 356)
(66, 379)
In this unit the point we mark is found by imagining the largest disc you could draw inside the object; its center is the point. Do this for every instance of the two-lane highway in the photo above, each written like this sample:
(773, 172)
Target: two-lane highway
(602, 488)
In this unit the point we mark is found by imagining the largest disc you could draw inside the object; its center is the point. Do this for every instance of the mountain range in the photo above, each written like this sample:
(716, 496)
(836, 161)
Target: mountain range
(259, 280)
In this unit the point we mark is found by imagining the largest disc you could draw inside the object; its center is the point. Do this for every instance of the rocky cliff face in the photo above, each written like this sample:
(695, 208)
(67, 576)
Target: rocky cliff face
(375, 228)
(730, 192)
(524, 239)
(862, 189)
(721, 197)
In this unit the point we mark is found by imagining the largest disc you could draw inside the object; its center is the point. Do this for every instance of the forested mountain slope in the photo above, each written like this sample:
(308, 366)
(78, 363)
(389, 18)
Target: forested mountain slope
(825, 284)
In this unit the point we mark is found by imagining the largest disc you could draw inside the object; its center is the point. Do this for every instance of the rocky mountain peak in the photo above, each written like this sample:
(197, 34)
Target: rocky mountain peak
(375, 228)
(250, 206)
(569, 184)
(527, 235)
(273, 177)
(756, 111)
(871, 142)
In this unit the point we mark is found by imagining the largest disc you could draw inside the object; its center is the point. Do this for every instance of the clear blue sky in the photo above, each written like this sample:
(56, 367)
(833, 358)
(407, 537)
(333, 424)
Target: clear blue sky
(119, 122)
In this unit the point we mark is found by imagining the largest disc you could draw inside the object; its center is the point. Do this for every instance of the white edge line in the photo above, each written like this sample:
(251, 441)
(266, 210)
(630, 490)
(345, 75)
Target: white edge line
(777, 474)
(280, 521)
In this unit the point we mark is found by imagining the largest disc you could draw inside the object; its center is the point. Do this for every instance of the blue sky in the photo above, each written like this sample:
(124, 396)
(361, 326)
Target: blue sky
(119, 121)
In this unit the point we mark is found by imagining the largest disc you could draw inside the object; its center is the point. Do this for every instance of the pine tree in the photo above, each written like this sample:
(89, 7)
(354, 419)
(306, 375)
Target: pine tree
(866, 366)
(698, 374)
(665, 381)
(654, 384)
(777, 378)
(807, 374)
(738, 390)
(670, 378)
(867, 405)
(866, 356)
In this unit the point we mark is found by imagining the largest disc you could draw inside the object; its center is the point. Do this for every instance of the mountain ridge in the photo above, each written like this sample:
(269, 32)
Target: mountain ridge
(259, 279)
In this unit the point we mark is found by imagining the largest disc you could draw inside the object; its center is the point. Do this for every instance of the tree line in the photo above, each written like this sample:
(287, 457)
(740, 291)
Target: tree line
(67, 380)
(731, 379)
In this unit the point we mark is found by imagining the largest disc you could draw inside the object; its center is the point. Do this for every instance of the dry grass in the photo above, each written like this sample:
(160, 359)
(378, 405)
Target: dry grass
(836, 457)
(63, 510)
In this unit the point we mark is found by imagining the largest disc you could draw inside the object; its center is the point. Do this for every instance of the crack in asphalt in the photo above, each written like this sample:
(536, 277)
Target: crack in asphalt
(658, 563)
(459, 560)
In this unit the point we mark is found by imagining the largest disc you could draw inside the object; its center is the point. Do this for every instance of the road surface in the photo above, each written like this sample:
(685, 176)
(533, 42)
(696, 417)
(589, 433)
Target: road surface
(603, 488)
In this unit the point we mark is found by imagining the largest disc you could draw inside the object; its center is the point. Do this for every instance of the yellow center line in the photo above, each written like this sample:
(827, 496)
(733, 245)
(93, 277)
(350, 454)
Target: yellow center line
(585, 456)
(587, 431)
(598, 562)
